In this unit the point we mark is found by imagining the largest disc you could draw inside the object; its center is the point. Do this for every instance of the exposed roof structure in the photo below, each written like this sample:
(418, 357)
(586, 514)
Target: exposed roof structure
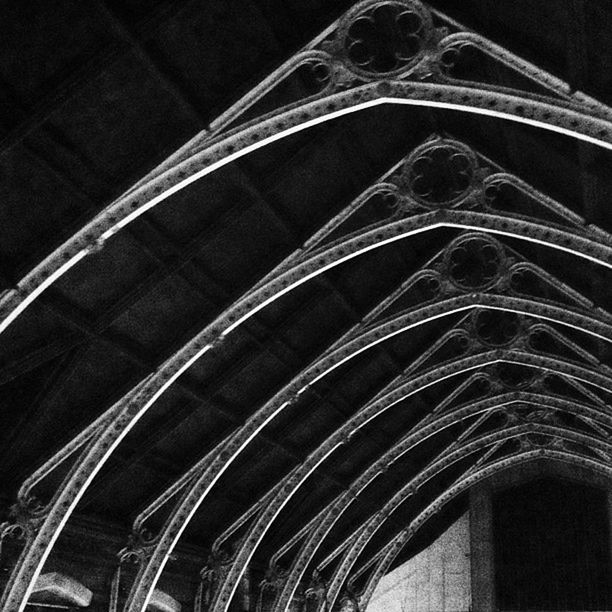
(282, 280)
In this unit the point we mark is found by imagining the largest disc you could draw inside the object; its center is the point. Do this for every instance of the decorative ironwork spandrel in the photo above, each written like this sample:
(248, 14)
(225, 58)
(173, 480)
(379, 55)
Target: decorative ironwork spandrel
(496, 329)
(441, 173)
(411, 63)
(384, 38)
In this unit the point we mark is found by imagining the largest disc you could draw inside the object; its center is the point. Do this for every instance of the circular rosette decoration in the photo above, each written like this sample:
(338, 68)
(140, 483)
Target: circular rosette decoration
(440, 174)
(384, 39)
(496, 328)
(474, 263)
(514, 376)
(315, 73)
(456, 56)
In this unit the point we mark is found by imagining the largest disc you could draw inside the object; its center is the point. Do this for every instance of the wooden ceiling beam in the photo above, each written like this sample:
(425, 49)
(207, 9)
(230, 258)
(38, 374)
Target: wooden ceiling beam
(37, 115)
(154, 66)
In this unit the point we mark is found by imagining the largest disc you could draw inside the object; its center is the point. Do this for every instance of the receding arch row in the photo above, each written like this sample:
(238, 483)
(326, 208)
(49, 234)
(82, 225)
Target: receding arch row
(122, 412)
(205, 474)
(444, 460)
(392, 327)
(575, 115)
(319, 527)
(576, 106)
(392, 549)
(552, 115)
(252, 538)
(362, 339)
(123, 415)
(395, 394)
(429, 424)
(84, 477)
(352, 346)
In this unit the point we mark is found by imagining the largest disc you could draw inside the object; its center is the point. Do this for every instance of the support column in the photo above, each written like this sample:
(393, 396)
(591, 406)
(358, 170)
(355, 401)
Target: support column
(481, 550)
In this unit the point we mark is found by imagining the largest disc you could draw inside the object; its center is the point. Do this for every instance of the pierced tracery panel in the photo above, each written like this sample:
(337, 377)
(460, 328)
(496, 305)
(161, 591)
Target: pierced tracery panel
(377, 40)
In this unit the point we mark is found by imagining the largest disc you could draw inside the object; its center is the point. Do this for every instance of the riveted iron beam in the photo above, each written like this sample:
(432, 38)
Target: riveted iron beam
(444, 460)
(392, 549)
(429, 425)
(563, 112)
(397, 393)
(205, 475)
(123, 416)
(576, 115)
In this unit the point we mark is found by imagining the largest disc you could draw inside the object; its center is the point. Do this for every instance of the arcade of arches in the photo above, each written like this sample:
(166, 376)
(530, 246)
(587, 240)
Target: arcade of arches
(306, 306)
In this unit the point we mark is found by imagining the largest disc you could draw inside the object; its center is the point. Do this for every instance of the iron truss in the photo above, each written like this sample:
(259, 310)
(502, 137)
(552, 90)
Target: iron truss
(410, 383)
(539, 404)
(353, 74)
(531, 450)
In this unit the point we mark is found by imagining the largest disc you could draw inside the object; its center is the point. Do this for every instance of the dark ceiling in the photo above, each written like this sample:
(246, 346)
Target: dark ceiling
(95, 95)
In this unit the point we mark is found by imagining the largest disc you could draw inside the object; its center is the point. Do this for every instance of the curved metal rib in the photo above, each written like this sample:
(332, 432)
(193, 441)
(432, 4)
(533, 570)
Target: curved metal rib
(215, 463)
(571, 114)
(429, 424)
(125, 415)
(393, 548)
(444, 460)
(384, 401)
(356, 339)
(568, 114)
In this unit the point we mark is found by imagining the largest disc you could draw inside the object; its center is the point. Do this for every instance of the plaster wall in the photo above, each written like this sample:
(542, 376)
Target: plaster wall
(435, 580)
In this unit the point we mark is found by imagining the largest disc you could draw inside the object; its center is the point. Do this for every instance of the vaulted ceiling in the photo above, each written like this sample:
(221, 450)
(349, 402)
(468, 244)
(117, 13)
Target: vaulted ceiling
(281, 280)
